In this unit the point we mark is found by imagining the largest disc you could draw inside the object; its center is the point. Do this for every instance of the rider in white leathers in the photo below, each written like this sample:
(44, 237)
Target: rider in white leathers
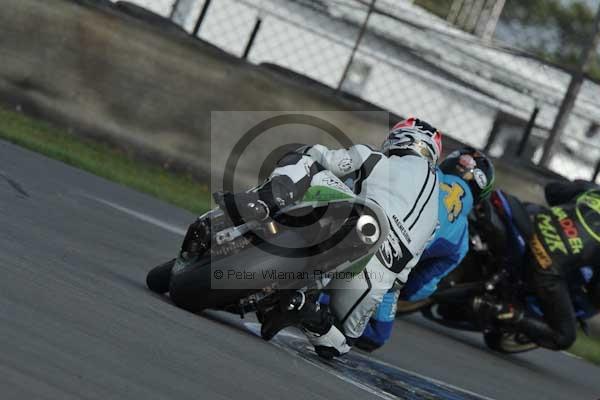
(401, 179)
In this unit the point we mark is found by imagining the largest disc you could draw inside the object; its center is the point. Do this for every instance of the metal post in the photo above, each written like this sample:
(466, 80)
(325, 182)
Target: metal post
(201, 17)
(596, 172)
(527, 132)
(493, 134)
(174, 9)
(363, 29)
(252, 37)
(571, 95)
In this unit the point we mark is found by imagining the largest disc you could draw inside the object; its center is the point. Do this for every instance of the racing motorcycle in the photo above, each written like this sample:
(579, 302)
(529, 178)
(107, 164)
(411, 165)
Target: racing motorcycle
(481, 278)
(247, 266)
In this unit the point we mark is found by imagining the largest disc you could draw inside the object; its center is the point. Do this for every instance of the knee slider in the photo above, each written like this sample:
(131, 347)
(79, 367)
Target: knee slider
(278, 192)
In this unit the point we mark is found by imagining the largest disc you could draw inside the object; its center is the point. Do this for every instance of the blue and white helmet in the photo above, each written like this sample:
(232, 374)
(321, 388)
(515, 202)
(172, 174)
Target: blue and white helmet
(413, 136)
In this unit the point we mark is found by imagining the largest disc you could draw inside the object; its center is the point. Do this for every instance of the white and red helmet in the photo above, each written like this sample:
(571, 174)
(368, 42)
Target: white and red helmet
(413, 136)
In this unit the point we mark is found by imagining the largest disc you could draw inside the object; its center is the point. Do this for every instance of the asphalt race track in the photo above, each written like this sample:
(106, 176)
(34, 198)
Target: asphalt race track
(77, 321)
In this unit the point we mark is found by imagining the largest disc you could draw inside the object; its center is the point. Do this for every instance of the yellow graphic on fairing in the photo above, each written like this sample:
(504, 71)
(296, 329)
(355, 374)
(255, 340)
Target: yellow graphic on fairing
(539, 252)
(453, 200)
(589, 203)
(549, 234)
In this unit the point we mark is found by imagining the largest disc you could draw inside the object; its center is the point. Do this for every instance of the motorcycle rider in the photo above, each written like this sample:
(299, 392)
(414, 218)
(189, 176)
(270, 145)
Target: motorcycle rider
(401, 179)
(562, 257)
(466, 177)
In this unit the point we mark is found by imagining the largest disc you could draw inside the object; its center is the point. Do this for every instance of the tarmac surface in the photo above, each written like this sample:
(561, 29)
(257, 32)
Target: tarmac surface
(77, 322)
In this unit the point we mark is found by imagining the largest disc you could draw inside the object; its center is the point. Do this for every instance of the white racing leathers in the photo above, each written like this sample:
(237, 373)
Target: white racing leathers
(406, 188)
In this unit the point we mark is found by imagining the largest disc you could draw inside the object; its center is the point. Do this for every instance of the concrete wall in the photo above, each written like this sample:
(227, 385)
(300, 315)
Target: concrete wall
(144, 84)
(100, 72)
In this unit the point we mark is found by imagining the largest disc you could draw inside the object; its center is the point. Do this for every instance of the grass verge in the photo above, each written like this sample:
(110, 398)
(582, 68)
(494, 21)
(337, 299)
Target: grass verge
(586, 347)
(178, 189)
(103, 160)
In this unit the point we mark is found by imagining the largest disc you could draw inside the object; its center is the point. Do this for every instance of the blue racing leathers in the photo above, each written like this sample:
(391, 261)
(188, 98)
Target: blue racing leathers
(444, 254)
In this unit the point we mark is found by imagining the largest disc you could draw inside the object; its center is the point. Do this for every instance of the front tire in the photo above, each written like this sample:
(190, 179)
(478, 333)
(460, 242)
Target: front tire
(159, 278)
(449, 316)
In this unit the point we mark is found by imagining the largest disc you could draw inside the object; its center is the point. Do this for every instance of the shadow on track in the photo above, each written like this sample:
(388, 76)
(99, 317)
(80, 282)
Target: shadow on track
(475, 342)
(381, 379)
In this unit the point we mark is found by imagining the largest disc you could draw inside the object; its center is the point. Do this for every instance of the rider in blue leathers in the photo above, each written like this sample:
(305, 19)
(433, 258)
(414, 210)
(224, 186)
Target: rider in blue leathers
(466, 176)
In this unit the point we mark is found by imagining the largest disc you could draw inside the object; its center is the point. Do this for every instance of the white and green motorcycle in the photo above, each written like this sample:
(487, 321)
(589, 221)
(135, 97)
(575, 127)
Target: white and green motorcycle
(246, 267)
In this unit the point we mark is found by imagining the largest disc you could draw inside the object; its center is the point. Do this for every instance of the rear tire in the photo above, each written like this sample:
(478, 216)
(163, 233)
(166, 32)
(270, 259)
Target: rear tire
(159, 278)
(506, 343)
(191, 289)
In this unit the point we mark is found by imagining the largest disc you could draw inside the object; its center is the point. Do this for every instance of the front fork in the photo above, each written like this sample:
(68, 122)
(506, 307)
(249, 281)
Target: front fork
(195, 243)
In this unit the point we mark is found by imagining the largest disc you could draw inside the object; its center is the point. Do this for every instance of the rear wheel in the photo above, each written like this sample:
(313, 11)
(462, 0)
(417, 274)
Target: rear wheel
(191, 289)
(159, 278)
(508, 342)
(221, 281)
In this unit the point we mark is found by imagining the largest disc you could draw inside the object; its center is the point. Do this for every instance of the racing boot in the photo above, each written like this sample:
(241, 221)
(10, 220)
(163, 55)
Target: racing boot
(527, 328)
(260, 203)
(292, 309)
(242, 207)
(313, 318)
(328, 343)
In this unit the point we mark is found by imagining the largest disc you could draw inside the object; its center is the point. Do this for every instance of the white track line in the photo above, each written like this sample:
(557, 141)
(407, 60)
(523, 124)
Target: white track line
(141, 216)
(571, 355)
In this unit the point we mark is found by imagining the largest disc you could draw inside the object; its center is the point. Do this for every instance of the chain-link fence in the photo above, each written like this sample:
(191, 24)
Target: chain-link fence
(485, 71)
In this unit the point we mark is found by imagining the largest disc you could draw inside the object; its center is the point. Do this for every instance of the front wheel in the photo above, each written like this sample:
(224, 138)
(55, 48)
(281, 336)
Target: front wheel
(453, 316)
(159, 278)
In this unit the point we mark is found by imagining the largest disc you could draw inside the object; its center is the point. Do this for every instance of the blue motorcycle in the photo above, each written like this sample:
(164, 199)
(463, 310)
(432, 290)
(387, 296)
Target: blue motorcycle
(480, 277)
